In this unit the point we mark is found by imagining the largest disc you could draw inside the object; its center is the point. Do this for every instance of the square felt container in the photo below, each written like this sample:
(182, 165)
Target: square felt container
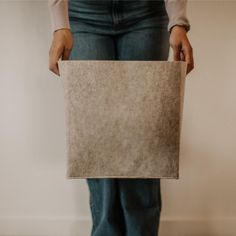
(123, 118)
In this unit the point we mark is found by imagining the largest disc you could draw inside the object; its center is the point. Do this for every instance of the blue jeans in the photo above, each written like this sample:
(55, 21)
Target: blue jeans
(121, 30)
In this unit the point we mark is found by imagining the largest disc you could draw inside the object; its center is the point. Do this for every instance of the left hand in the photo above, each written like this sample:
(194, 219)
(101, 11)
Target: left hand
(61, 47)
(181, 46)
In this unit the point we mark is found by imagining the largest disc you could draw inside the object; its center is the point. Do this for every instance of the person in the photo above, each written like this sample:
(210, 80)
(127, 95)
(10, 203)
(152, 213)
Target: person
(121, 30)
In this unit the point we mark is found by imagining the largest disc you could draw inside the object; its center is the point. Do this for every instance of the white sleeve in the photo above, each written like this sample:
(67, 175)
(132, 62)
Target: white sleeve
(176, 10)
(58, 10)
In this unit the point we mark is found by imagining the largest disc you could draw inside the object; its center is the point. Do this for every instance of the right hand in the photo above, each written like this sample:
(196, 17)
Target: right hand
(61, 47)
(181, 46)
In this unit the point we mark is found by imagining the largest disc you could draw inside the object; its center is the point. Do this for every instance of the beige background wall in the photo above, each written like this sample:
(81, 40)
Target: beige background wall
(35, 197)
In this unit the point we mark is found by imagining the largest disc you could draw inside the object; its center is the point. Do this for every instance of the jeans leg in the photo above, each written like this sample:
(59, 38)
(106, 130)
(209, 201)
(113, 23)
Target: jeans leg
(105, 207)
(92, 46)
(137, 200)
(143, 44)
(141, 198)
(104, 202)
(141, 204)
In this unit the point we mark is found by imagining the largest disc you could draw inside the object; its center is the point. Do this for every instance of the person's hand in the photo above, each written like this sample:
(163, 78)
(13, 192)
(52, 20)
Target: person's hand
(61, 47)
(181, 46)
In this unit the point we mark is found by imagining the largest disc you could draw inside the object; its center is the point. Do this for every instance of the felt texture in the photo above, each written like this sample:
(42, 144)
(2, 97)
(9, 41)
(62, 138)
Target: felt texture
(123, 118)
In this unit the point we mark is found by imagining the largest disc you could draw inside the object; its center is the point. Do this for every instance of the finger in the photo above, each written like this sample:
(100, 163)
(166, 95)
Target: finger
(176, 50)
(189, 59)
(66, 54)
(54, 56)
(182, 56)
(54, 67)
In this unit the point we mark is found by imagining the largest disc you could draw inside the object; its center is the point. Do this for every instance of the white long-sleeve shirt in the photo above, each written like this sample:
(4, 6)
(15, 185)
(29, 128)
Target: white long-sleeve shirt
(176, 10)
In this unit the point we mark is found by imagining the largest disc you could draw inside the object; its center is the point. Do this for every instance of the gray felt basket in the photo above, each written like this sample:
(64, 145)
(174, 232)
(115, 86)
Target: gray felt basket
(123, 118)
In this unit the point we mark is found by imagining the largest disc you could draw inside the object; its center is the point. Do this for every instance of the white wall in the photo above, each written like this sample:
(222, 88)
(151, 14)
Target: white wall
(35, 196)
(206, 191)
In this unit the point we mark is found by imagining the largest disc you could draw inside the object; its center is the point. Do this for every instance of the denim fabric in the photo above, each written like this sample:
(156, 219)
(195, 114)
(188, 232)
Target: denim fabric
(121, 30)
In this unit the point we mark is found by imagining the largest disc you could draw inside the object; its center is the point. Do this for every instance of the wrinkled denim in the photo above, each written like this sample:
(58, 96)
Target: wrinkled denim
(121, 30)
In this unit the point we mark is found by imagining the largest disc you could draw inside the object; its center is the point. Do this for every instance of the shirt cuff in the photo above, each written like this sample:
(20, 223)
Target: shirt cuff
(183, 24)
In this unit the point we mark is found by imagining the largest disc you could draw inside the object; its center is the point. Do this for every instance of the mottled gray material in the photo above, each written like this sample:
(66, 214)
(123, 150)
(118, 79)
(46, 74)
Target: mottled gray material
(123, 118)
